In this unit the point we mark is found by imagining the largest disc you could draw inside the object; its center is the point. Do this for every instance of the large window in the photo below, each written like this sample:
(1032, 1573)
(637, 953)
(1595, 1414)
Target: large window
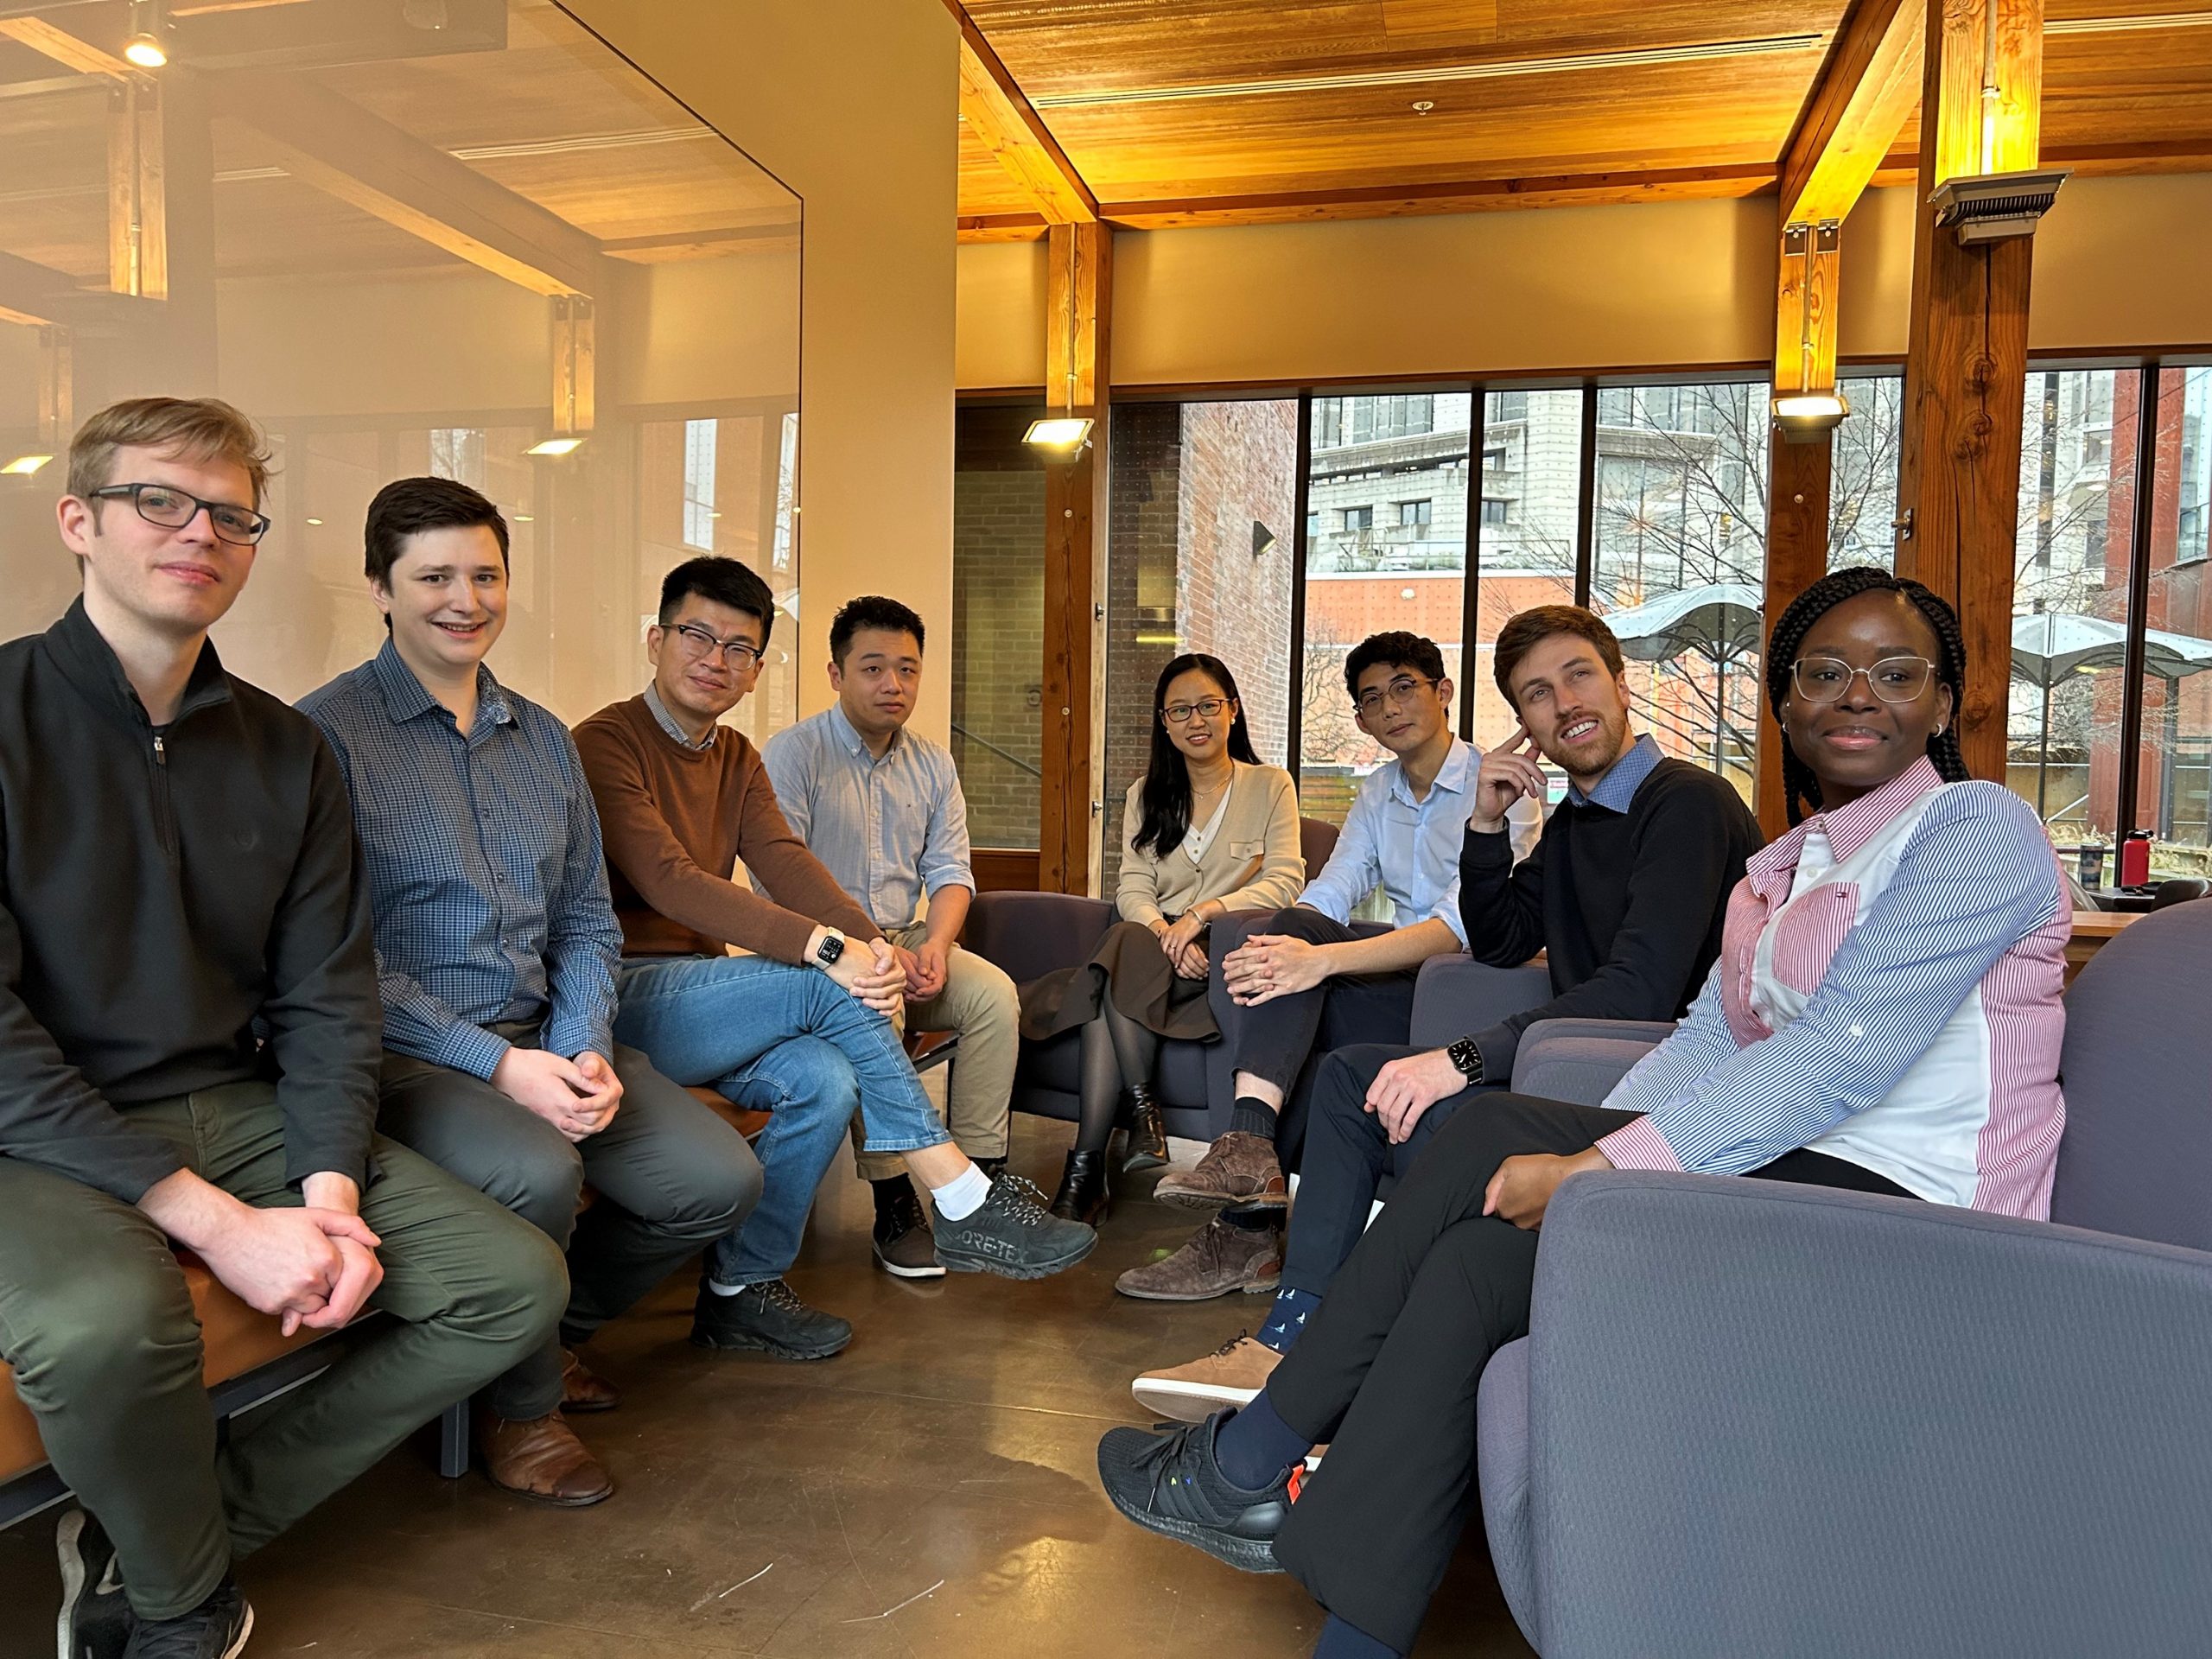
(619, 434)
(1200, 558)
(1679, 559)
(1863, 472)
(2172, 784)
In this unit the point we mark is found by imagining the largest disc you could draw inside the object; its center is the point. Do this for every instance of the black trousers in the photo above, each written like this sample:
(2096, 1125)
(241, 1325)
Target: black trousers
(1276, 1040)
(1386, 1370)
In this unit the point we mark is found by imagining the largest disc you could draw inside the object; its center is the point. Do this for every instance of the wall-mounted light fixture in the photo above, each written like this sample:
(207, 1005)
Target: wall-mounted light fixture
(146, 45)
(1065, 433)
(1808, 413)
(25, 465)
(555, 447)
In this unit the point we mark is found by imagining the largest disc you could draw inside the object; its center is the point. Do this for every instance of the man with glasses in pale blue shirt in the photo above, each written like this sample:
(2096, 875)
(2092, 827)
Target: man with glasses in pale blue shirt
(880, 807)
(1306, 981)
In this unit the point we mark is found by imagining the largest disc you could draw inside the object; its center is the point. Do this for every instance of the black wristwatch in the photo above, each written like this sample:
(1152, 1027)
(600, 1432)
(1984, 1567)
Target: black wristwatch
(1468, 1059)
(832, 948)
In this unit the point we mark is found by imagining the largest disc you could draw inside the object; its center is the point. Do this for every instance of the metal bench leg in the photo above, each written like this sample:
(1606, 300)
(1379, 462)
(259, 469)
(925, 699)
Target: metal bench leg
(453, 1441)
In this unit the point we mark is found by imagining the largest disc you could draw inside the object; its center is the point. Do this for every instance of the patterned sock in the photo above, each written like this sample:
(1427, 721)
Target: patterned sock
(1255, 1447)
(1286, 1318)
(1251, 1117)
(1343, 1641)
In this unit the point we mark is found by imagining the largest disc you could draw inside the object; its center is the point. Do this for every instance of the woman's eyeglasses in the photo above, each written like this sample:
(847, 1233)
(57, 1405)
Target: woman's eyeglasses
(1179, 714)
(1893, 679)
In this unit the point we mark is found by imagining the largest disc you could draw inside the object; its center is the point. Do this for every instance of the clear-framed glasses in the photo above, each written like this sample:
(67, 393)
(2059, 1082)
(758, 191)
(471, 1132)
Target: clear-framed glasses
(1179, 714)
(173, 509)
(1399, 694)
(697, 646)
(1893, 679)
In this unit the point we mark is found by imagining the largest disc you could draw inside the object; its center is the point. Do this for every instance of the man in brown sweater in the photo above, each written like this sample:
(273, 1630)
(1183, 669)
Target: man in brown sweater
(802, 1027)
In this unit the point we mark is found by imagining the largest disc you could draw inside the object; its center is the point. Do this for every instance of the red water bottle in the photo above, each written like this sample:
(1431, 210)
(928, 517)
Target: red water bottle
(2135, 859)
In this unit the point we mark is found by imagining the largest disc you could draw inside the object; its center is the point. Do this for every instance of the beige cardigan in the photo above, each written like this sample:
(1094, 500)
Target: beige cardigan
(1260, 828)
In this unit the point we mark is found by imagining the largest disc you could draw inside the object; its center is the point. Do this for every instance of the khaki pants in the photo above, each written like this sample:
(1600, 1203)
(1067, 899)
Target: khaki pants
(978, 1002)
(97, 1322)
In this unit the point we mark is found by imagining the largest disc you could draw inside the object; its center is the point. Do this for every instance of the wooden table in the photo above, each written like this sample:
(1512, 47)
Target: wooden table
(2093, 931)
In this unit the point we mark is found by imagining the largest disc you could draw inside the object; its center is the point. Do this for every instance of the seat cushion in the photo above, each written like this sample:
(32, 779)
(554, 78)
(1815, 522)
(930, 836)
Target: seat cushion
(234, 1338)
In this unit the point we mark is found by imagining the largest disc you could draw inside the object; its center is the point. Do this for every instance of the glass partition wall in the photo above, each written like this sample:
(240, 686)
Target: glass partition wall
(466, 239)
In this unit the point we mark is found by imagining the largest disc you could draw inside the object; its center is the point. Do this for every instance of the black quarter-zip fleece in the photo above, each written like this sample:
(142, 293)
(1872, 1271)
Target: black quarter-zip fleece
(160, 892)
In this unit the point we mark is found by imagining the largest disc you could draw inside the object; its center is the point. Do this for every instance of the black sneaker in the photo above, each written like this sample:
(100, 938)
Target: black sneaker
(96, 1619)
(1013, 1235)
(902, 1241)
(767, 1319)
(1171, 1484)
(216, 1629)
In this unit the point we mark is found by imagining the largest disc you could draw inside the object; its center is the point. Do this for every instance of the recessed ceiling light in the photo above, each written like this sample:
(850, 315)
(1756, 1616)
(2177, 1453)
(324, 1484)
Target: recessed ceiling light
(314, 521)
(1423, 105)
(24, 466)
(555, 447)
(524, 518)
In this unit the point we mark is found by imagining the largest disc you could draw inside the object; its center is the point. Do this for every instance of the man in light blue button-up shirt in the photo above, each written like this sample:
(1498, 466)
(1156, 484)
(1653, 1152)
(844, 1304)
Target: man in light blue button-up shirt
(880, 807)
(1307, 979)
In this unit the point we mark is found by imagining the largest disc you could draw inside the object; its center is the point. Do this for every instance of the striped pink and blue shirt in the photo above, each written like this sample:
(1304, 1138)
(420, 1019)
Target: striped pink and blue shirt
(1888, 993)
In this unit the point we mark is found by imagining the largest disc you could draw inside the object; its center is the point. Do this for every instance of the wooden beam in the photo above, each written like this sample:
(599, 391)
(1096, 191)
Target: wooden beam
(1078, 305)
(1001, 116)
(64, 48)
(35, 294)
(1796, 556)
(1810, 274)
(1966, 364)
(57, 388)
(366, 162)
(1862, 99)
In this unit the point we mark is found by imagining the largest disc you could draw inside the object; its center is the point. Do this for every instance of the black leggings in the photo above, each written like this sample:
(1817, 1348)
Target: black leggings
(1118, 1053)
(1386, 1370)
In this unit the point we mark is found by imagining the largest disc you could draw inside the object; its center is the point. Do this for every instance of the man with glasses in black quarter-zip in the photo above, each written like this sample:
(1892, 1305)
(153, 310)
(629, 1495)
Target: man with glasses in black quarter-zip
(188, 1052)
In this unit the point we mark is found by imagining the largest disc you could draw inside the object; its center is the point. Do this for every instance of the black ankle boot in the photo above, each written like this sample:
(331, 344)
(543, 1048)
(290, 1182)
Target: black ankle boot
(992, 1168)
(1084, 1195)
(1147, 1145)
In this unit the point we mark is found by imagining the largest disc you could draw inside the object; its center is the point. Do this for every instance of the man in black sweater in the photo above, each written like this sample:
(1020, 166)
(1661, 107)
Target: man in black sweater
(189, 1055)
(1625, 893)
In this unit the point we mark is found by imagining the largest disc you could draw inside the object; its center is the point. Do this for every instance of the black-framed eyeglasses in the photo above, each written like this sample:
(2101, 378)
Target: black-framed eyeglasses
(1827, 679)
(1399, 694)
(1179, 714)
(697, 646)
(173, 509)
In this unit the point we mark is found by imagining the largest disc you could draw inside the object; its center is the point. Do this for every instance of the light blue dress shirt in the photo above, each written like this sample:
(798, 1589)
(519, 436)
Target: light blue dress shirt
(889, 829)
(1410, 848)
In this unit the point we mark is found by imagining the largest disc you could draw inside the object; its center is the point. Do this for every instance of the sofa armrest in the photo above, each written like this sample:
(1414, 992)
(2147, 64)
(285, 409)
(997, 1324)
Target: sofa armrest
(1031, 934)
(1457, 996)
(1581, 1061)
(1774, 1419)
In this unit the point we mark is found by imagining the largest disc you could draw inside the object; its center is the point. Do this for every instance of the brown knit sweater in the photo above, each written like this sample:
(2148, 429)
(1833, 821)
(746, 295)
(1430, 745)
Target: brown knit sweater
(677, 821)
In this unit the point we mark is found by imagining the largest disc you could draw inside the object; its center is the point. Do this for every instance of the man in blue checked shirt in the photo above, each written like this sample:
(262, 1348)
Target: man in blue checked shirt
(496, 947)
(1306, 980)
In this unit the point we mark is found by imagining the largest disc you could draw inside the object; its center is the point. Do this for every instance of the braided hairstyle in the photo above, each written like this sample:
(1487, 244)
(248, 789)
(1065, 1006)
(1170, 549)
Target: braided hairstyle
(1801, 790)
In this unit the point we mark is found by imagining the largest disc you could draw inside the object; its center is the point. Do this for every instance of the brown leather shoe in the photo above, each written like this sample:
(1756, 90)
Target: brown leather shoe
(1232, 1375)
(583, 1389)
(541, 1458)
(1218, 1259)
(1240, 1169)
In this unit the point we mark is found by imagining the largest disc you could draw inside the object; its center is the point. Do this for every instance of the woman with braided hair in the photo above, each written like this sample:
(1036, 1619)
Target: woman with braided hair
(1883, 1017)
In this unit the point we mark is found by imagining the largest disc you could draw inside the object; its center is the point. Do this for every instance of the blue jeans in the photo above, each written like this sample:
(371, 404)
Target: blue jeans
(789, 1041)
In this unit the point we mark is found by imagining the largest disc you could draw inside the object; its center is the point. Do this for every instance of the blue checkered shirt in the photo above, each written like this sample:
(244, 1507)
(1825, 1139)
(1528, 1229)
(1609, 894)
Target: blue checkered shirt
(484, 857)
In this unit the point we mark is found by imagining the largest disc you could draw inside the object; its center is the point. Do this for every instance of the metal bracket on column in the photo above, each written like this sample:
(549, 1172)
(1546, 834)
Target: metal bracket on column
(575, 388)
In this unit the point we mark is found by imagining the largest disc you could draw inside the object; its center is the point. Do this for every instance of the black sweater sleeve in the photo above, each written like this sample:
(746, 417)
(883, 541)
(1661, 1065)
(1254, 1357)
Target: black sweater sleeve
(1679, 878)
(325, 1022)
(1502, 904)
(49, 1115)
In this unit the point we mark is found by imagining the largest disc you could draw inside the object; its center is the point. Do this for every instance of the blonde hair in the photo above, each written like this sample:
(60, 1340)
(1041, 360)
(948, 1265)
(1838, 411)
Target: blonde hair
(197, 429)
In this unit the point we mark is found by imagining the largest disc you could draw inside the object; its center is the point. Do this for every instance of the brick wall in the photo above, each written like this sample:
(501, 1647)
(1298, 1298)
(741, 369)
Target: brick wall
(998, 612)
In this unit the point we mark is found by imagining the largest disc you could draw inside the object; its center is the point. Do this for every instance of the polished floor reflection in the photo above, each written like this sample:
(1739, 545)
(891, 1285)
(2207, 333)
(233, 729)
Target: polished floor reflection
(930, 1491)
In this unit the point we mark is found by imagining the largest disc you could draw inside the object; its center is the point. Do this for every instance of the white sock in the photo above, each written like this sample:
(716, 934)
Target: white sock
(962, 1196)
(720, 1289)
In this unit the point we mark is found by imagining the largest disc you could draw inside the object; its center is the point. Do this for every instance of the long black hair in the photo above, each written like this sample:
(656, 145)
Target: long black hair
(1801, 790)
(1166, 776)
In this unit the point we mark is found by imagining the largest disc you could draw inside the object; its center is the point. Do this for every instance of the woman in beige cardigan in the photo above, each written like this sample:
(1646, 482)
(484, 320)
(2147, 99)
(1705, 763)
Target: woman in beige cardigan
(1206, 831)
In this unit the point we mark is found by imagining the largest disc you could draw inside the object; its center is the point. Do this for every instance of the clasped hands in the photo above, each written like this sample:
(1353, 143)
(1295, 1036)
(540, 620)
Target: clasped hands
(1269, 965)
(1179, 940)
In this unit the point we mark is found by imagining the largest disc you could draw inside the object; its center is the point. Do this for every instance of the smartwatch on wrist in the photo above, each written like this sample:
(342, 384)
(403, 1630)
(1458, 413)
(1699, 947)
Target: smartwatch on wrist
(1468, 1059)
(832, 948)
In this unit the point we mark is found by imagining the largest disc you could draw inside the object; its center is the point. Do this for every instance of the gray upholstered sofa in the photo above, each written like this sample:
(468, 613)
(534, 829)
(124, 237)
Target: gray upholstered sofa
(1760, 1419)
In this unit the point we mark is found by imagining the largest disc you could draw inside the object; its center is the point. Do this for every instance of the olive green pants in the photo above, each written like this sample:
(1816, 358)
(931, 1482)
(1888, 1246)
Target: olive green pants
(97, 1323)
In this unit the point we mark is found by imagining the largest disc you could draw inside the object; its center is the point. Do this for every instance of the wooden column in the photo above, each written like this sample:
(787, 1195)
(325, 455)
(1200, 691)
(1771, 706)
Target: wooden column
(1958, 476)
(1078, 303)
(1798, 469)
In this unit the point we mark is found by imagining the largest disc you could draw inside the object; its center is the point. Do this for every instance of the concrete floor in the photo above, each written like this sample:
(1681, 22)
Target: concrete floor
(931, 1490)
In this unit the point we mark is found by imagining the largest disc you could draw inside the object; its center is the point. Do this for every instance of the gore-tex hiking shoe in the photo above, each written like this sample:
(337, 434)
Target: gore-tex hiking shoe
(1012, 1234)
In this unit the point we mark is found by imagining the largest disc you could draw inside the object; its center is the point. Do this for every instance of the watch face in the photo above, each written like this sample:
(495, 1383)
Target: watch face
(830, 949)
